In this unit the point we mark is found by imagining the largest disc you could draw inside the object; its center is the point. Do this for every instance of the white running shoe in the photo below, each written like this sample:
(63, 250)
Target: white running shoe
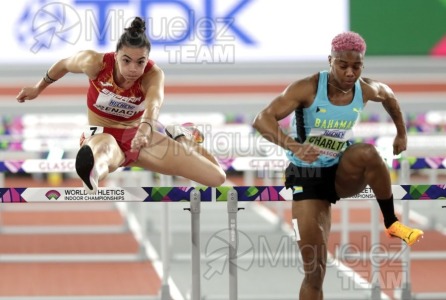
(188, 130)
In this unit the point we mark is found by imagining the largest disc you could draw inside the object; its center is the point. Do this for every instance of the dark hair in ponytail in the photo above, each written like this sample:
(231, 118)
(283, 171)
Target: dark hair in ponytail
(134, 36)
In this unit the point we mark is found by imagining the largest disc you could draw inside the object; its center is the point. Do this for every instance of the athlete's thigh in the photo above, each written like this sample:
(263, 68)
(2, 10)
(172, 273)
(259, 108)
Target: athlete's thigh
(105, 144)
(350, 176)
(314, 221)
(164, 155)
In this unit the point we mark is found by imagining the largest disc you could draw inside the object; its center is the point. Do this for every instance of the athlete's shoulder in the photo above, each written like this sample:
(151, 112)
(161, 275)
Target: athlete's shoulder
(95, 62)
(302, 91)
(370, 86)
(152, 76)
(308, 82)
(91, 58)
(91, 55)
(374, 90)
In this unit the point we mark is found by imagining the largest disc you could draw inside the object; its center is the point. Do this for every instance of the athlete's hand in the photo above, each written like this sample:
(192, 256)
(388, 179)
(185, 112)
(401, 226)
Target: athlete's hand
(140, 141)
(307, 152)
(142, 136)
(27, 93)
(399, 144)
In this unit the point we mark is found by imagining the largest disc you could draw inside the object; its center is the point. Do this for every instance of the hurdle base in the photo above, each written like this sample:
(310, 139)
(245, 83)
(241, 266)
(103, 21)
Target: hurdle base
(165, 292)
(404, 292)
(375, 291)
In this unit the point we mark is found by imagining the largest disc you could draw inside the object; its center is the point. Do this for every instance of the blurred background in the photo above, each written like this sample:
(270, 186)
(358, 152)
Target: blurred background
(224, 61)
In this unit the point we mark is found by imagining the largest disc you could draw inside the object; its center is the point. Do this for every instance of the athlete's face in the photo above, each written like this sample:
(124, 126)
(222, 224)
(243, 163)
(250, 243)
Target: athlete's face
(346, 67)
(131, 62)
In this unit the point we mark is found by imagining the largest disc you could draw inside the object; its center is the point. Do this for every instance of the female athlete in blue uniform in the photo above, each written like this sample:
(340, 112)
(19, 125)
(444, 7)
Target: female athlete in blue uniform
(323, 166)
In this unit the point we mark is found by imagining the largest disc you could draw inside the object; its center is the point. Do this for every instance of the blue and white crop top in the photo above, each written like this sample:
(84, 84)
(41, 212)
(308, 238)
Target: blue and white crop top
(325, 125)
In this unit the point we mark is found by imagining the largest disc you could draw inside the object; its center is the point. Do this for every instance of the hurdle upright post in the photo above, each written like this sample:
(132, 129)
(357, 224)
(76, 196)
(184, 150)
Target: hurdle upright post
(165, 249)
(345, 223)
(376, 288)
(165, 243)
(405, 282)
(406, 292)
(195, 210)
(233, 243)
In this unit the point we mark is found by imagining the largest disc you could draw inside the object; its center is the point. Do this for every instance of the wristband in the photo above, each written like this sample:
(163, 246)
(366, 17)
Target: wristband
(48, 79)
(151, 128)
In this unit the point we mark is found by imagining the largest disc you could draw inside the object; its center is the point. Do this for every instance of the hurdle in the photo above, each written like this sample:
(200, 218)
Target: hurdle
(405, 164)
(408, 192)
(245, 164)
(230, 194)
(249, 165)
(431, 163)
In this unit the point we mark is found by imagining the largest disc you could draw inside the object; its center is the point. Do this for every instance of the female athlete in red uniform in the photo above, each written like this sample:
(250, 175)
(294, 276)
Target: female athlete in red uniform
(124, 99)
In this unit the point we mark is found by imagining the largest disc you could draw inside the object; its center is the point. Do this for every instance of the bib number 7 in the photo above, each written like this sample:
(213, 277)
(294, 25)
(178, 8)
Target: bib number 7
(92, 130)
(89, 132)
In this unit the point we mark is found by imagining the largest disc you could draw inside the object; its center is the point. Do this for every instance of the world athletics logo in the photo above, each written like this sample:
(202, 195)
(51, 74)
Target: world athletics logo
(45, 24)
(52, 195)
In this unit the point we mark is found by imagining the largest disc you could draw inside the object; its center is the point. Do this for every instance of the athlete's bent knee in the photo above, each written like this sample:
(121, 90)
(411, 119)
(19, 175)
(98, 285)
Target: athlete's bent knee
(368, 153)
(218, 179)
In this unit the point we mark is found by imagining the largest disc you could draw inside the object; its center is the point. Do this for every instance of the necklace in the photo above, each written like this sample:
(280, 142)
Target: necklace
(339, 89)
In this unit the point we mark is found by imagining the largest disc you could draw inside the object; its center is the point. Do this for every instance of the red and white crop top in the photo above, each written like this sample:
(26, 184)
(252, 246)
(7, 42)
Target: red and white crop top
(105, 98)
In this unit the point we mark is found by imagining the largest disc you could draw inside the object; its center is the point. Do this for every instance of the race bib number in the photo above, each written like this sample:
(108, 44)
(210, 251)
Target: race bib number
(92, 130)
(330, 142)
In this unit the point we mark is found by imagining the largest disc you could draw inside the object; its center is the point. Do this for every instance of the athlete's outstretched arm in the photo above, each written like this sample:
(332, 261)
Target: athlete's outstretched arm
(88, 62)
(153, 86)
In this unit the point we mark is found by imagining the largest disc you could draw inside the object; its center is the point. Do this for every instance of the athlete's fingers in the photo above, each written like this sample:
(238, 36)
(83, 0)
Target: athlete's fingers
(21, 96)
